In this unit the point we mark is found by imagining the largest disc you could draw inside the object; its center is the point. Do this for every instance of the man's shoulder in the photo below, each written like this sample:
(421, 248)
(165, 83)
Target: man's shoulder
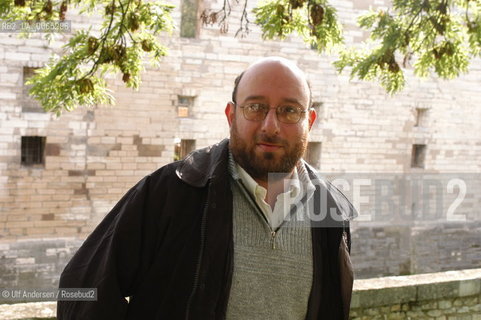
(195, 169)
(201, 165)
(341, 201)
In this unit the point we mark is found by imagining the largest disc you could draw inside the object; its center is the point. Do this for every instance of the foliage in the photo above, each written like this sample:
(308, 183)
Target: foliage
(314, 20)
(432, 36)
(129, 29)
(435, 36)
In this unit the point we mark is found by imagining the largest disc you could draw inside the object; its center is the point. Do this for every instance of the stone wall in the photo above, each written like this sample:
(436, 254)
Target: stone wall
(35, 263)
(452, 295)
(93, 156)
(408, 249)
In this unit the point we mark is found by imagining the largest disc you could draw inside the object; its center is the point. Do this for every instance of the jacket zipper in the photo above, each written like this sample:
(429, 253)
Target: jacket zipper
(199, 260)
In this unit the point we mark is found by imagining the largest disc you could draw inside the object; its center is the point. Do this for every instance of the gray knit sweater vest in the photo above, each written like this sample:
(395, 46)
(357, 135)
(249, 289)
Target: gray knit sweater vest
(272, 275)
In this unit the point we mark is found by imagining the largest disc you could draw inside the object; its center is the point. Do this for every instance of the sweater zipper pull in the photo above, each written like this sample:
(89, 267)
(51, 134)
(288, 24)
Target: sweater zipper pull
(273, 239)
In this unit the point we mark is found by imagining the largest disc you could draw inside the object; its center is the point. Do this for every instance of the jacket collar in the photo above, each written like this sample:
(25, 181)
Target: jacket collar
(348, 211)
(200, 166)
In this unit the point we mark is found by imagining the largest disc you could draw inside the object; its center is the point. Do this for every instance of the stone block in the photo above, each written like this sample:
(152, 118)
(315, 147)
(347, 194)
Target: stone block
(22, 261)
(470, 287)
(396, 307)
(102, 150)
(17, 56)
(438, 290)
(434, 313)
(81, 173)
(445, 304)
(381, 297)
(471, 301)
(48, 217)
(415, 315)
(354, 313)
(396, 316)
(429, 305)
(150, 150)
(460, 317)
(477, 308)
(458, 302)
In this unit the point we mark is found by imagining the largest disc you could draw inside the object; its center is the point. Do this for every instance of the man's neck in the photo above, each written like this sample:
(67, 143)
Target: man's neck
(274, 187)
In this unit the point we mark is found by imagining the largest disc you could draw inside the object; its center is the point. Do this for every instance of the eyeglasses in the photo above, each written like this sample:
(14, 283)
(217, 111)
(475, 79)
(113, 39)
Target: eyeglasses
(285, 113)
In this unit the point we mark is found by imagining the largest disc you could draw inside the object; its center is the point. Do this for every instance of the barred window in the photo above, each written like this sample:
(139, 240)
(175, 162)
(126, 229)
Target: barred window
(33, 150)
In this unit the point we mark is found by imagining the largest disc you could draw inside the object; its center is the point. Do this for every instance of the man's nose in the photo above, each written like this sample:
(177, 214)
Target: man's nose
(270, 124)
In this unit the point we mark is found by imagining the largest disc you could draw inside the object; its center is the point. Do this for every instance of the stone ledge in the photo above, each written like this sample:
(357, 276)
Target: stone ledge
(30, 310)
(421, 287)
(367, 292)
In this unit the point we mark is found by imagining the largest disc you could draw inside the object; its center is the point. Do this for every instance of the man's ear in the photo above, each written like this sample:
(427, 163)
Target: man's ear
(230, 112)
(312, 117)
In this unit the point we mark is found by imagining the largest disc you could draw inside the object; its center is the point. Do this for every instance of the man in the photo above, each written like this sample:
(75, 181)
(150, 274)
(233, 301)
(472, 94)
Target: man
(209, 237)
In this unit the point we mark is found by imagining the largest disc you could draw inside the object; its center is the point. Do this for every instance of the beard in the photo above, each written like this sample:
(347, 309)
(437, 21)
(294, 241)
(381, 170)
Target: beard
(259, 165)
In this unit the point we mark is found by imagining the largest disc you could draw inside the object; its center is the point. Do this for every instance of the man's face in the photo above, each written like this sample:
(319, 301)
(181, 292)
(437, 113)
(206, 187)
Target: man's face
(269, 145)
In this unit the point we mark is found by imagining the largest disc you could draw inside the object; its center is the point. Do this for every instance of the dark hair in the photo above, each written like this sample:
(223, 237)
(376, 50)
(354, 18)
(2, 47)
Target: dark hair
(239, 78)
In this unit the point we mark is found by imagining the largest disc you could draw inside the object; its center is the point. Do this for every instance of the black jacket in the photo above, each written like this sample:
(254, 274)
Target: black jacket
(167, 245)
